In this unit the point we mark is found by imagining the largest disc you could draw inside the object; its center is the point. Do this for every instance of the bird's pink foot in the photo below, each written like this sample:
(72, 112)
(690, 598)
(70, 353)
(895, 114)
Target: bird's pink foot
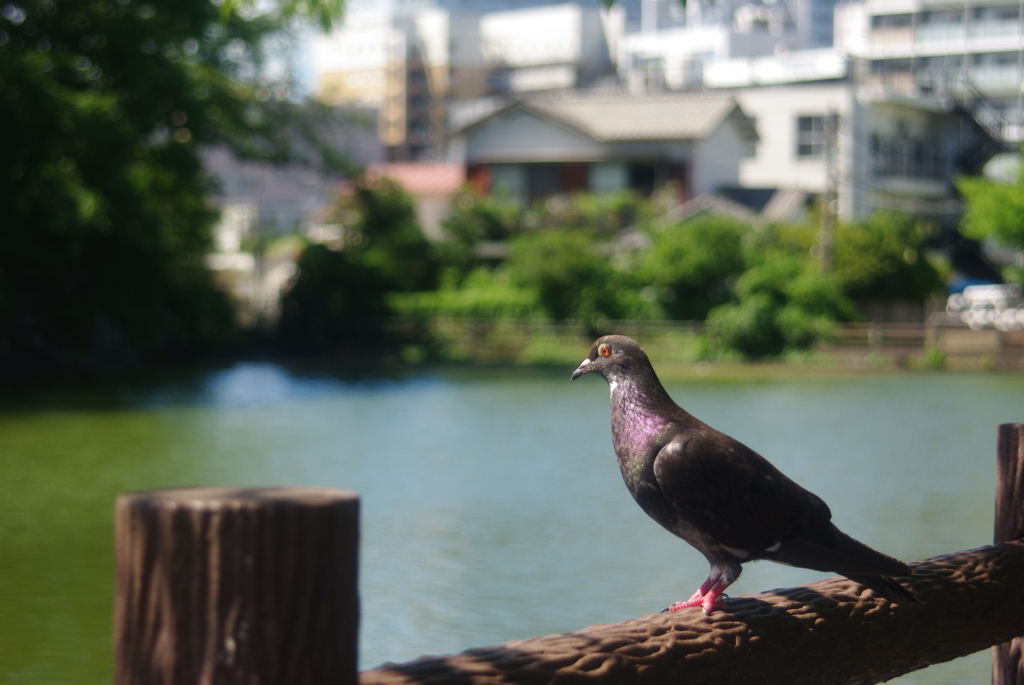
(699, 598)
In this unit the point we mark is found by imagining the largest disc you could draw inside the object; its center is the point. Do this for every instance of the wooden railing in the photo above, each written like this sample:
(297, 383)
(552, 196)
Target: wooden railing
(220, 585)
(523, 340)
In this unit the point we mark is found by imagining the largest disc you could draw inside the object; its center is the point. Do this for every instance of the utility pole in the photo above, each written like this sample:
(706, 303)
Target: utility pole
(828, 196)
(1019, 129)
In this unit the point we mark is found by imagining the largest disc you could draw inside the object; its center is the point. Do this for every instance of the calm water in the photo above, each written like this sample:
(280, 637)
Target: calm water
(492, 506)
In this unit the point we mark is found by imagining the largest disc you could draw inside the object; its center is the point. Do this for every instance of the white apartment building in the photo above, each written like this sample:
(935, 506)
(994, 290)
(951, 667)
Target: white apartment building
(883, 119)
(822, 131)
(932, 46)
(666, 46)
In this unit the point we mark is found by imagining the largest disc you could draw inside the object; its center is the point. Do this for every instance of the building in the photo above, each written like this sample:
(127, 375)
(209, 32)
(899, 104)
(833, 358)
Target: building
(666, 45)
(876, 103)
(826, 133)
(423, 59)
(402, 69)
(413, 63)
(910, 94)
(972, 49)
(539, 146)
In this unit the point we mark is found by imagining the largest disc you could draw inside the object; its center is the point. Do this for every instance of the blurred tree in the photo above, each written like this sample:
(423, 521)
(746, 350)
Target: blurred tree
(475, 219)
(571, 279)
(481, 217)
(688, 264)
(104, 105)
(481, 294)
(386, 236)
(600, 213)
(339, 297)
(994, 209)
(781, 303)
(336, 302)
(883, 259)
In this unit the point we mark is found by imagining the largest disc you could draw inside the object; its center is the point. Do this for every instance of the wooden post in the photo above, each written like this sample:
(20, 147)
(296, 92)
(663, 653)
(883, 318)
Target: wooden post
(235, 585)
(1008, 658)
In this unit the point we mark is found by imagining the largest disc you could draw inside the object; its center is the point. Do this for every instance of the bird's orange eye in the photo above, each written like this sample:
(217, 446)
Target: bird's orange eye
(604, 351)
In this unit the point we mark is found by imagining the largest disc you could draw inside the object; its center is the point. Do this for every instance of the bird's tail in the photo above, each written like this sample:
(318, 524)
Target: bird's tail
(833, 551)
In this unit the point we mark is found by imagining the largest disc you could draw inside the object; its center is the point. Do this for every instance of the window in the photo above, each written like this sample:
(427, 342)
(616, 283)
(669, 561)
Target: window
(811, 136)
(749, 149)
(890, 21)
(606, 177)
(1006, 13)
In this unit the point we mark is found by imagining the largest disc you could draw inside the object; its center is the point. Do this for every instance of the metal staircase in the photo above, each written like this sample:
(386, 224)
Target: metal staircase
(984, 125)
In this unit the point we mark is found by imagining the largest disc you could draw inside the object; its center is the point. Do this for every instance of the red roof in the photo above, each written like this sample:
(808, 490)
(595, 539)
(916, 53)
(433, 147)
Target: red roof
(421, 178)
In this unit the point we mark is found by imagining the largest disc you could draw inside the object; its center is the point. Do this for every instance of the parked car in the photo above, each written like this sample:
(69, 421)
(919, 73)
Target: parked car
(982, 306)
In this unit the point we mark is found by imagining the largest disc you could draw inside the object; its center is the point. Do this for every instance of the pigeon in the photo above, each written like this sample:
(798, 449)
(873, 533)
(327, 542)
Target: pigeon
(716, 493)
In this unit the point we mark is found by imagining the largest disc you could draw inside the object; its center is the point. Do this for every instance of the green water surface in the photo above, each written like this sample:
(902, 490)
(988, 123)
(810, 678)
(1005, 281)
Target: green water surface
(492, 505)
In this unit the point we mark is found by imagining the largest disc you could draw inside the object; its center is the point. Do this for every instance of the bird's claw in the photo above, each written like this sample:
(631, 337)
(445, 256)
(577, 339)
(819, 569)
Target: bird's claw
(710, 601)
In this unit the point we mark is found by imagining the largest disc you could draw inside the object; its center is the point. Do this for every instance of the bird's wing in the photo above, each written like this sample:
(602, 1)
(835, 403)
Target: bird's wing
(735, 495)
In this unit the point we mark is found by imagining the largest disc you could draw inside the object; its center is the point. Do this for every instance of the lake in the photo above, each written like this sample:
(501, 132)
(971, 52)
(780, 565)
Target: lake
(492, 507)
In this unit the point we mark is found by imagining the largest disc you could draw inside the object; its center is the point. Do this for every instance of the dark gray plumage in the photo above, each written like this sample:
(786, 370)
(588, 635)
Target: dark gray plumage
(718, 494)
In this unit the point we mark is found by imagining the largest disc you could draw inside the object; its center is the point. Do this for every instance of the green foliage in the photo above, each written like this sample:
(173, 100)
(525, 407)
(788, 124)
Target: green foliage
(340, 296)
(103, 107)
(571, 279)
(557, 256)
(994, 210)
(326, 13)
(935, 358)
(386, 237)
(336, 302)
(482, 294)
(761, 291)
(883, 258)
(599, 213)
(475, 219)
(793, 240)
(780, 304)
(688, 264)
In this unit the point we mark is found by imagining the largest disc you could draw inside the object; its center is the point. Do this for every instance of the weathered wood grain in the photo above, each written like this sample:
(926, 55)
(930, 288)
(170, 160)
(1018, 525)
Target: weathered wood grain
(1008, 658)
(830, 632)
(230, 585)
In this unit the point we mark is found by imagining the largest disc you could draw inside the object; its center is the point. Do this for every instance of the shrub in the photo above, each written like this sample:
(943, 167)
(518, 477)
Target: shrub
(475, 219)
(571, 279)
(690, 263)
(339, 296)
(781, 304)
(883, 258)
(994, 209)
(335, 302)
(599, 213)
(482, 294)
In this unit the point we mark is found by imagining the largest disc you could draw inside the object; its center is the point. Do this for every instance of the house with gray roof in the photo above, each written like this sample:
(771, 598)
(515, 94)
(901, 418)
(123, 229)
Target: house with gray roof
(535, 147)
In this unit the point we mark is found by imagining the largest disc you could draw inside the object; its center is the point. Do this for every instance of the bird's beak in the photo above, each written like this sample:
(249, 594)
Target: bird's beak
(582, 369)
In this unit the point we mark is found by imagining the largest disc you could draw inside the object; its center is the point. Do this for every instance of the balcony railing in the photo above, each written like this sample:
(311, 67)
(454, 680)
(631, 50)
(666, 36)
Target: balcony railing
(910, 164)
